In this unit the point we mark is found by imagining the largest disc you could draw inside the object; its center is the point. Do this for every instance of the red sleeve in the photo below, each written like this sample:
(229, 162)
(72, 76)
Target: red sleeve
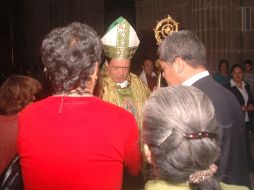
(132, 158)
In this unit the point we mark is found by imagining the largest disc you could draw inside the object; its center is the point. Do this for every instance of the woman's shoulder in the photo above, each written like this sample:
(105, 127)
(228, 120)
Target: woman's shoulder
(225, 186)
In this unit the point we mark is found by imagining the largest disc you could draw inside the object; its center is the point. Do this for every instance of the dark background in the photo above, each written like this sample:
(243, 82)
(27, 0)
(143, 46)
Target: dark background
(116, 8)
(24, 23)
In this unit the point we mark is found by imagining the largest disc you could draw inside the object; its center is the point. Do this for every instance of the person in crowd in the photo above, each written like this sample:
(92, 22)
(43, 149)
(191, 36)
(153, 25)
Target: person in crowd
(183, 61)
(16, 93)
(248, 67)
(249, 78)
(248, 73)
(148, 75)
(180, 145)
(222, 76)
(72, 139)
(120, 86)
(242, 91)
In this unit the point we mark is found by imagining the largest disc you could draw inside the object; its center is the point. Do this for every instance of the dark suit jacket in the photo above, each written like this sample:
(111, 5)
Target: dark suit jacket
(233, 166)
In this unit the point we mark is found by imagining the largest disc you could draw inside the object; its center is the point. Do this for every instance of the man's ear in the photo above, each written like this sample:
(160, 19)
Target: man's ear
(179, 64)
(147, 153)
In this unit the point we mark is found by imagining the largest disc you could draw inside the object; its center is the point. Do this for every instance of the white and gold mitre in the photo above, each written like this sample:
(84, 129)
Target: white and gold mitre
(120, 41)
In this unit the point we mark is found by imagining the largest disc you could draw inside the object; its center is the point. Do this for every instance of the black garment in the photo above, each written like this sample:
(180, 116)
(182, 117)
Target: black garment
(233, 166)
(248, 124)
(239, 96)
(11, 178)
(249, 154)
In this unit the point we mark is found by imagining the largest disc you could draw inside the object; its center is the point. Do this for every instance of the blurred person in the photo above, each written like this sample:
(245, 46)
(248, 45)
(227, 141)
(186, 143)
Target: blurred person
(222, 76)
(242, 92)
(249, 78)
(120, 86)
(72, 139)
(248, 67)
(180, 145)
(16, 93)
(183, 61)
(148, 75)
(248, 73)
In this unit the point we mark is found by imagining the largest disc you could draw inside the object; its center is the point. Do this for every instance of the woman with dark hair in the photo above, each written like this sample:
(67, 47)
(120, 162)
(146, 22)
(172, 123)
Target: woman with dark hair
(180, 135)
(222, 76)
(74, 140)
(148, 75)
(15, 94)
(242, 91)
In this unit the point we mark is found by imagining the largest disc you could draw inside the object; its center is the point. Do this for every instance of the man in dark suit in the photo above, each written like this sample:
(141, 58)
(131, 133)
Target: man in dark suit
(183, 61)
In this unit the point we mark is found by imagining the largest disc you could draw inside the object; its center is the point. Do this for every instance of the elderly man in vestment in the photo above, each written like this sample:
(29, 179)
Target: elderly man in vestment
(120, 86)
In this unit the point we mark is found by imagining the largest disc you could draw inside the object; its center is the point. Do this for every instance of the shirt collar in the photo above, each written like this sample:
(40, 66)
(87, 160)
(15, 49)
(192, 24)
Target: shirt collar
(124, 84)
(195, 78)
(232, 83)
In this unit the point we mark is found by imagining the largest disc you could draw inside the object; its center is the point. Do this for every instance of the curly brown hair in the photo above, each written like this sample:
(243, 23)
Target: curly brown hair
(17, 92)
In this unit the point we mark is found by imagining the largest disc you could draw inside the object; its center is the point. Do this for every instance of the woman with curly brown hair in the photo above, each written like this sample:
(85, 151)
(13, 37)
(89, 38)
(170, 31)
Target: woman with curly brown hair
(15, 93)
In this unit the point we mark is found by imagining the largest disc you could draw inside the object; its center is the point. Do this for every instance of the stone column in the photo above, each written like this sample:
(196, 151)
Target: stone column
(212, 24)
(247, 30)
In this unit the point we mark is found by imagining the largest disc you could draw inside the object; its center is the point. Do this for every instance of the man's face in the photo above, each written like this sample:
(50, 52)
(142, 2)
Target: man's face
(148, 67)
(169, 73)
(118, 69)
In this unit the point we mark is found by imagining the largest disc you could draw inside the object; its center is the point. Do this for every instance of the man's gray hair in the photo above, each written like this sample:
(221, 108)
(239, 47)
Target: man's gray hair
(170, 113)
(185, 45)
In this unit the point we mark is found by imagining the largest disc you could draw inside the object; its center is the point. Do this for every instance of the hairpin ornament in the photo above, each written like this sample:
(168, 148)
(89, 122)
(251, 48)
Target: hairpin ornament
(199, 135)
(199, 176)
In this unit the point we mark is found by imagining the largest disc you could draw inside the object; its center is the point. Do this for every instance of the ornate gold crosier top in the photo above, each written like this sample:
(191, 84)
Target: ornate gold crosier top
(165, 27)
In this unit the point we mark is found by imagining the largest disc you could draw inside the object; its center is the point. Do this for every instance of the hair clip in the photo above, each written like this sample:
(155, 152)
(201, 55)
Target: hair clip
(199, 176)
(199, 135)
(165, 137)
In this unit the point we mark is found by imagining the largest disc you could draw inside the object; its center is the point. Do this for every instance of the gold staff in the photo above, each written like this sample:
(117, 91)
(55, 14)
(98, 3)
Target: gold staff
(163, 28)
